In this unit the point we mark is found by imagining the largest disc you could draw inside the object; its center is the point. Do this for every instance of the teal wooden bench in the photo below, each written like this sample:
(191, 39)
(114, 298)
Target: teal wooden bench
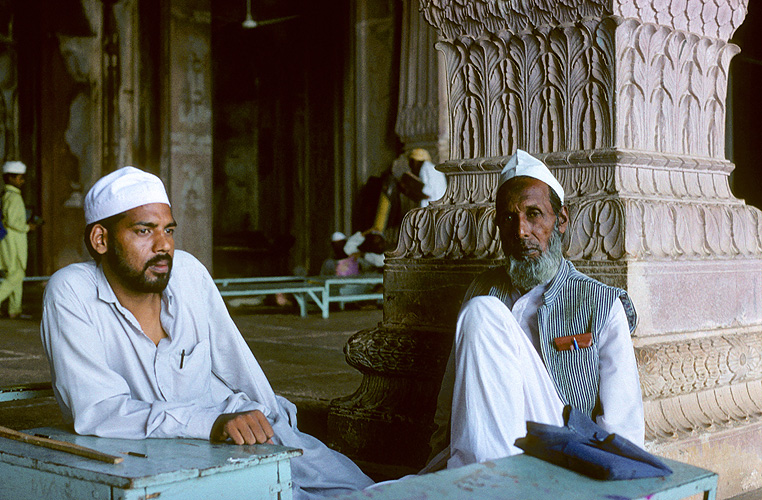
(322, 290)
(251, 287)
(343, 289)
(522, 477)
(165, 469)
(25, 391)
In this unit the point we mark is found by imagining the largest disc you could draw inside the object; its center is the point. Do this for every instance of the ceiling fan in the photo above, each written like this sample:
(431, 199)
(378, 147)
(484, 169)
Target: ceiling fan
(249, 22)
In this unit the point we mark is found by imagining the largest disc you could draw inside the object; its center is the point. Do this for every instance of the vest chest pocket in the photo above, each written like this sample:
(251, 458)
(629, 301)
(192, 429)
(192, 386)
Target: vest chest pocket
(191, 372)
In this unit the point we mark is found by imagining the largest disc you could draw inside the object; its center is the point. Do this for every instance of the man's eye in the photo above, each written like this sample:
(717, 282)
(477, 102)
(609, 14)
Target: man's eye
(143, 230)
(170, 230)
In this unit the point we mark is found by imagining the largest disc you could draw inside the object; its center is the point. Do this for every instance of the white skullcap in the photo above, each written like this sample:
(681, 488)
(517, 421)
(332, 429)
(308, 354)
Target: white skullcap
(338, 236)
(122, 190)
(522, 164)
(14, 167)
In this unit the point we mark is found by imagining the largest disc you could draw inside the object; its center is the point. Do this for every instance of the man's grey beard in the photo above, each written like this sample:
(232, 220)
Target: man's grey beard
(527, 274)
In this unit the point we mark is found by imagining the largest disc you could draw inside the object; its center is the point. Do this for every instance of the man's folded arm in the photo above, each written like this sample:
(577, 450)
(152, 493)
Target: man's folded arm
(620, 392)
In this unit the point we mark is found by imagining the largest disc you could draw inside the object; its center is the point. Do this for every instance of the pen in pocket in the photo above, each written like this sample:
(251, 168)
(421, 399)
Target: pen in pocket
(182, 359)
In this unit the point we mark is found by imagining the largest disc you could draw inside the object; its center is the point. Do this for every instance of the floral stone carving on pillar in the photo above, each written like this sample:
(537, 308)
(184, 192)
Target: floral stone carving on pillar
(625, 101)
(418, 111)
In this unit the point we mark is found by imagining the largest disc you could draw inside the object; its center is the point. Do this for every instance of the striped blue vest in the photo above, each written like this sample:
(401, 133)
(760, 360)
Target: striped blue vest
(573, 304)
(576, 304)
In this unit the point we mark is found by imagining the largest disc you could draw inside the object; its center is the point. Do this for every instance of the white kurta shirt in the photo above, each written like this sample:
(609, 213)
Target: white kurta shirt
(110, 379)
(434, 182)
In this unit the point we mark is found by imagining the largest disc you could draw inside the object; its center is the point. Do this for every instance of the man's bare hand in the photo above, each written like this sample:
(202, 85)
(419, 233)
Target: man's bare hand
(248, 427)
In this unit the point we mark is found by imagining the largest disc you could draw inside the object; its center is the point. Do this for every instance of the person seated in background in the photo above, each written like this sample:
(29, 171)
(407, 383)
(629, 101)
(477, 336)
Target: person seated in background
(534, 335)
(331, 266)
(141, 345)
(431, 182)
(367, 249)
(411, 182)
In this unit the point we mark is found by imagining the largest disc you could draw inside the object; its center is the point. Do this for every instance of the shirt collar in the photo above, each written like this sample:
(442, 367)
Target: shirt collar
(106, 293)
(12, 189)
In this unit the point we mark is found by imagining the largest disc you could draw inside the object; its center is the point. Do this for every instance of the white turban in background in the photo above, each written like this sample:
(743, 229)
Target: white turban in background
(522, 164)
(14, 167)
(122, 190)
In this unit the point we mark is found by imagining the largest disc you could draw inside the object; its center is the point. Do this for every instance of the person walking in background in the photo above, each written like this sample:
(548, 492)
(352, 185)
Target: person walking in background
(13, 247)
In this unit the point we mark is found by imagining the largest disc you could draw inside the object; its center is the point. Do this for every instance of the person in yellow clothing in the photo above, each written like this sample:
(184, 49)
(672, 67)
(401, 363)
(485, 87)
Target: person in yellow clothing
(13, 248)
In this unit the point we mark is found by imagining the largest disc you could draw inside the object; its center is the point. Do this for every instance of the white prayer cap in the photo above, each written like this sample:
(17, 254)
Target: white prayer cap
(14, 167)
(524, 164)
(122, 190)
(338, 236)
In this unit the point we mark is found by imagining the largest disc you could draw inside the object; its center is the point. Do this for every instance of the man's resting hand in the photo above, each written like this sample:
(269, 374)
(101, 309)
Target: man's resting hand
(248, 427)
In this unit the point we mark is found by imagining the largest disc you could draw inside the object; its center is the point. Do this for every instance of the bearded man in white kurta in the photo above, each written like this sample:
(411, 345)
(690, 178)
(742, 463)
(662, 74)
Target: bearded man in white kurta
(141, 345)
(535, 335)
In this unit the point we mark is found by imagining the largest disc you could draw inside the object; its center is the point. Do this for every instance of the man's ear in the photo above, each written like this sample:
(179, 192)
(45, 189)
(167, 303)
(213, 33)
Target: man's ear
(563, 219)
(99, 239)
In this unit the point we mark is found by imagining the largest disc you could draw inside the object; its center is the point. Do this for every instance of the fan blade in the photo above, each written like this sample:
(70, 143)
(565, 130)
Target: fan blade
(274, 20)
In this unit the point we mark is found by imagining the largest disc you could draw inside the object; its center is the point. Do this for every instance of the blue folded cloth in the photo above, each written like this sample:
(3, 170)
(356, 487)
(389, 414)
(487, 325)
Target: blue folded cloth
(584, 447)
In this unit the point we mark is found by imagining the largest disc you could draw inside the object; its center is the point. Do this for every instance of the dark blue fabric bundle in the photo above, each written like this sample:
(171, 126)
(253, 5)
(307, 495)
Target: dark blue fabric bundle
(584, 447)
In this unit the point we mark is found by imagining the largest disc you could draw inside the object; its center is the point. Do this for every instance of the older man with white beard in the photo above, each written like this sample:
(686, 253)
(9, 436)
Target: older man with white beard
(535, 335)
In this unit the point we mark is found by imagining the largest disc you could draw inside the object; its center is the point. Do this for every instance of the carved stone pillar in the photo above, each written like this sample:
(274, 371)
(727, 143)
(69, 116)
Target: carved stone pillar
(186, 162)
(418, 113)
(625, 101)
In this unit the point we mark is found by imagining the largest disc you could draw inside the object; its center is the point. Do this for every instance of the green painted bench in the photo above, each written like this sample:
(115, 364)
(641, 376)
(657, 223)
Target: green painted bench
(322, 290)
(522, 477)
(165, 469)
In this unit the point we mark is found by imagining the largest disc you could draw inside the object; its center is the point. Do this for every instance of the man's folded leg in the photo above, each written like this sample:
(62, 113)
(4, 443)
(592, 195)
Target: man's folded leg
(500, 383)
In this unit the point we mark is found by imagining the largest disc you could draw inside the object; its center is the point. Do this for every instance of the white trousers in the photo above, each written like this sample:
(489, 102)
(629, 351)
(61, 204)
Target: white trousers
(500, 383)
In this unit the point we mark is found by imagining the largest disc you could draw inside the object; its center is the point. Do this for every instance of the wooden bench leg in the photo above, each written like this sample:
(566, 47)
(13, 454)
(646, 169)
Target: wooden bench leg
(302, 301)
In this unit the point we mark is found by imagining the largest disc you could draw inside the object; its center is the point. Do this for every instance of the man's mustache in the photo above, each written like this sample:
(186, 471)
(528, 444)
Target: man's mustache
(160, 260)
(521, 247)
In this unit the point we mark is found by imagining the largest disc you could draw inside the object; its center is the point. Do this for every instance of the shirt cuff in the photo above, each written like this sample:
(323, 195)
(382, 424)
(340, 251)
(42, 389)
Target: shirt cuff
(200, 423)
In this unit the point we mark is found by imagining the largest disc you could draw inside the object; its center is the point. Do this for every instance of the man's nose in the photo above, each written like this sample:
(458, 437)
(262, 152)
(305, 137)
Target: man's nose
(162, 242)
(522, 227)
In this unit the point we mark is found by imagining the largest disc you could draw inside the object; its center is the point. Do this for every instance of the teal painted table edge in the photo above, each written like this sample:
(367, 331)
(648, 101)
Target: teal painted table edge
(522, 477)
(164, 461)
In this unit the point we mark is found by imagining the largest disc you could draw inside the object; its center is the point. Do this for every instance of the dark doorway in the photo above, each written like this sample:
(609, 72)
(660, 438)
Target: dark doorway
(744, 134)
(277, 99)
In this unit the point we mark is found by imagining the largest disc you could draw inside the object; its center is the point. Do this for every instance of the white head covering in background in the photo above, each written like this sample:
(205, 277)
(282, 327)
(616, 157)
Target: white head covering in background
(420, 154)
(522, 164)
(353, 243)
(123, 190)
(338, 236)
(14, 167)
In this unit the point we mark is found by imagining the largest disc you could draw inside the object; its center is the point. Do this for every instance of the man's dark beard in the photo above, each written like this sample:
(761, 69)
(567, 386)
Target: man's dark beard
(134, 280)
(527, 274)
